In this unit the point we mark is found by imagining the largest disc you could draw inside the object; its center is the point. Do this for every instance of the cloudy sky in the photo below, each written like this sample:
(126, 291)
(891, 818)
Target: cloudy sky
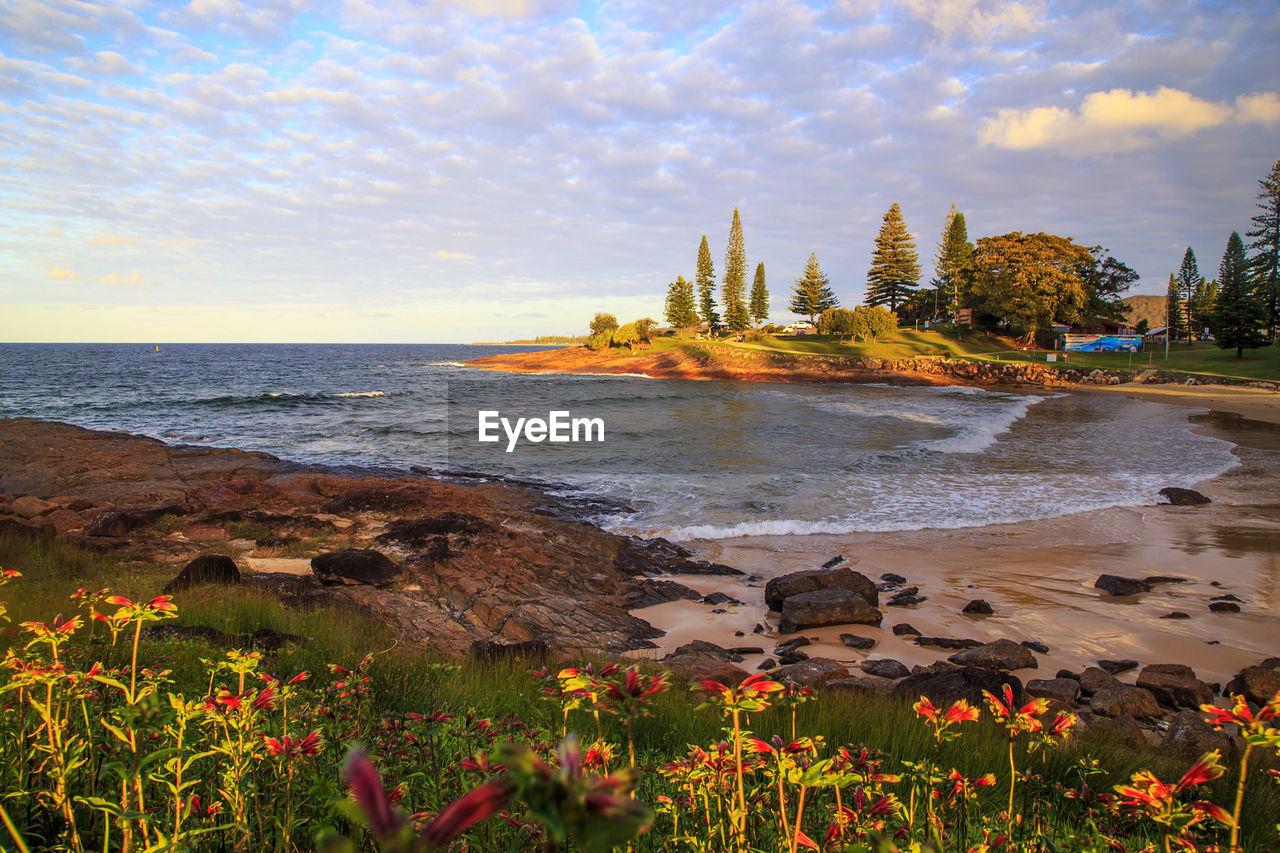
(455, 170)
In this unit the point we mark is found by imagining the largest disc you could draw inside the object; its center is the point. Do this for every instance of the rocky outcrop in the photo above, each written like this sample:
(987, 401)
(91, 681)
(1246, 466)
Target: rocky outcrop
(826, 607)
(205, 569)
(1001, 654)
(814, 672)
(356, 566)
(1183, 497)
(1124, 701)
(947, 686)
(1257, 684)
(1118, 585)
(1175, 685)
(1064, 690)
(797, 583)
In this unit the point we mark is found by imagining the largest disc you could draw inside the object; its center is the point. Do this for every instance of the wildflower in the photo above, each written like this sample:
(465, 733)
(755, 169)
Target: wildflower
(1016, 720)
(960, 711)
(291, 749)
(1160, 801)
(366, 786)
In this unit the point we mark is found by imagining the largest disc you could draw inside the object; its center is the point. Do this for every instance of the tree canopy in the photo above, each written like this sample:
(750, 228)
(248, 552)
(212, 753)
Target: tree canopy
(681, 309)
(812, 293)
(1188, 278)
(1265, 263)
(865, 322)
(759, 296)
(734, 289)
(705, 278)
(1239, 315)
(953, 253)
(895, 266)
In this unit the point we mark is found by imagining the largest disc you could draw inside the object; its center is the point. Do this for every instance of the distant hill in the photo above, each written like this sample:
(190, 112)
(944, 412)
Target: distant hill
(1149, 308)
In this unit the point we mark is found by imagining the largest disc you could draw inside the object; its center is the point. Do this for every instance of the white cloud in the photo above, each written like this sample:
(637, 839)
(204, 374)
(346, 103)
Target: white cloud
(115, 278)
(113, 240)
(62, 274)
(980, 20)
(1121, 120)
(454, 256)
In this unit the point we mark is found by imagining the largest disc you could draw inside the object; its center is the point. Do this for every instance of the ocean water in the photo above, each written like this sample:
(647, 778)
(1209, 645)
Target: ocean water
(683, 459)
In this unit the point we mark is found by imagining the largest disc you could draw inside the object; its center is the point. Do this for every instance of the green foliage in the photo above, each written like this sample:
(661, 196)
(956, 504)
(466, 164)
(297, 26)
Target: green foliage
(735, 278)
(626, 336)
(953, 253)
(600, 340)
(705, 279)
(1174, 317)
(1265, 263)
(864, 322)
(1105, 279)
(603, 323)
(1027, 280)
(1239, 316)
(1203, 302)
(1143, 326)
(759, 296)
(1188, 278)
(812, 293)
(836, 321)
(681, 310)
(644, 328)
(895, 266)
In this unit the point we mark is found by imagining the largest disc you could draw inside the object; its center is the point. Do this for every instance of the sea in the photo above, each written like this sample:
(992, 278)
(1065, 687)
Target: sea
(682, 459)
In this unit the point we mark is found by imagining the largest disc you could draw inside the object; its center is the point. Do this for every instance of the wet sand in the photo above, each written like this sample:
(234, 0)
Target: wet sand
(1039, 576)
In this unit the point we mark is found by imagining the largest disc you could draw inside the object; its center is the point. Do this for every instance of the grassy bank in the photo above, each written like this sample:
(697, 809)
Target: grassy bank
(111, 759)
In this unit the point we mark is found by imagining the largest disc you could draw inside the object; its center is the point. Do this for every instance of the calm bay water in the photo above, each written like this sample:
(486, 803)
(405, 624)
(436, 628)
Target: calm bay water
(690, 459)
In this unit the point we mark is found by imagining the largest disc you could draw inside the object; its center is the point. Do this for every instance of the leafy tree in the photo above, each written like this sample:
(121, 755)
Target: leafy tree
(1265, 264)
(706, 281)
(603, 323)
(626, 336)
(644, 328)
(734, 290)
(600, 340)
(1239, 314)
(1202, 302)
(1143, 326)
(895, 266)
(836, 321)
(873, 321)
(812, 292)
(953, 253)
(681, 310)
(1188, 278)
(1105, 280)
(759, 296)
(1028, 280)
(1173, 317)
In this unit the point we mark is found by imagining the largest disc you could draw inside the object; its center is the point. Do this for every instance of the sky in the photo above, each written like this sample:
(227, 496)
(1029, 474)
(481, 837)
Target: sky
(462, 170)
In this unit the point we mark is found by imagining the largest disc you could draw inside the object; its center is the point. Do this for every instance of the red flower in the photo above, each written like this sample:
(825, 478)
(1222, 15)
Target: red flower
(366, 786)
(466, 811)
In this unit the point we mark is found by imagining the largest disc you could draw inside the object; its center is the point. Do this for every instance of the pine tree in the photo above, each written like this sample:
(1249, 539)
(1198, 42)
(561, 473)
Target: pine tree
(681, 309)
(1202, 302)
(734, 290)
(706, 281)
(1188, 278)
(953, 253)
(1173, 317)
(812, 293)
(1239, 314)
(895, 266)
(1265, 264)
(759, 296)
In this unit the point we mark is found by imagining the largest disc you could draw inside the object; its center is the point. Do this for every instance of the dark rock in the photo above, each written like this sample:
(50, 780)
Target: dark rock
(1123, 728)
(979, 607)
(205, 569)
(704, 567)
(1269, 663)
(1224, 607)
(860, 685)
(1175, 685)
(1036, 646)
(1096, 678)
(948, 643)
(906, 600)
(1115, 667)
(903, 629)
(489, 651)
(810, 673)
(1176, 614)
(1124, 701)
(739, 633)
(703, 649)
(28, 529)
(1257, 684)
(355, 565)
(746, 650)
(767, 663)
(1189, 733)
(826, 607)
(793, 643)
(1066, 673)
(779, 589)
(948, 685)
(1183, 497)
(758, 629)
(646, 592)
(1227, 597)
(885, 668)
(1001, 654)
(1152, 580)
(905, 591)
(699, 668)
(420, 532)
(719, 598)
(890, 577)
(853, 641)
(1117, 585)
(123, 520)
(793, 656)
(381, 498)
(833, 562)
(1062, 689)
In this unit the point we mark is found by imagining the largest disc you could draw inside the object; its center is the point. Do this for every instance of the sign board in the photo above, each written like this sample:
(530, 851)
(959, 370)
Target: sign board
(964, 316)
(1100, 343)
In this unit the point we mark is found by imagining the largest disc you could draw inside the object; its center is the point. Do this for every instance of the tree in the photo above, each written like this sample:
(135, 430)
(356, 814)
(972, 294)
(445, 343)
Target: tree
(1029, 281)
(681, 310)
(895, 266)
(1105, 280)
(836, 321)
(603, 323)
(706, 281)
(759, 296)
(1202, 302)
(1143, 326)
(734, 290)
(1172, 316)
(626, 336)
(644, 328)
(812, 292)
(873, 321)
(1265, 264)
(953, 253)
(1188, 278)
(1239, 314)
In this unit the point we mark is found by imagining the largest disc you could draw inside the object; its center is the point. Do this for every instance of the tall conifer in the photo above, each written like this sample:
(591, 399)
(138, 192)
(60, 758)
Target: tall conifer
(1188, 278)
(895, 266)
(706, 281)
(812, 292)
(681, 309)
(734, 290)
(1239, 314)
(953, 253)
(759, 296)
(1173, 316)
(1265, 263)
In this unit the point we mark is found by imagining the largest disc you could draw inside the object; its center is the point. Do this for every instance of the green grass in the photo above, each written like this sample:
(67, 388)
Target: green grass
(1204, 359)
(905, 343)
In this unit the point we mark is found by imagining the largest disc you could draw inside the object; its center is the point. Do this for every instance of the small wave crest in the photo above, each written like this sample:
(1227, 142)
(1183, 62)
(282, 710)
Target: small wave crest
(975, 438)
(360, 394)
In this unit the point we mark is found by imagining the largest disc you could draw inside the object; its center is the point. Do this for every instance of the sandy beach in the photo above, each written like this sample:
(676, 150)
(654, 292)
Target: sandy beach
(1038, 577)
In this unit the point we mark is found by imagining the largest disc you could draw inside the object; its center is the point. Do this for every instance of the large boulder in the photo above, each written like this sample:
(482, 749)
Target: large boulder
(703, 649)
(30, 507)
(1001, 654)
(1059, 689)
(826, 607)
(1175, 685)
(123, 520)
(205, 569)
(645, 592)
(1257, 684)
(814, 672)
(1095, 679)
(1119, 585)
(862, 685)
(1183, 497)
(968, 682)
(1125, 701)
(885, 668)
(355, 566)
(1189, 732)
(781, 588)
